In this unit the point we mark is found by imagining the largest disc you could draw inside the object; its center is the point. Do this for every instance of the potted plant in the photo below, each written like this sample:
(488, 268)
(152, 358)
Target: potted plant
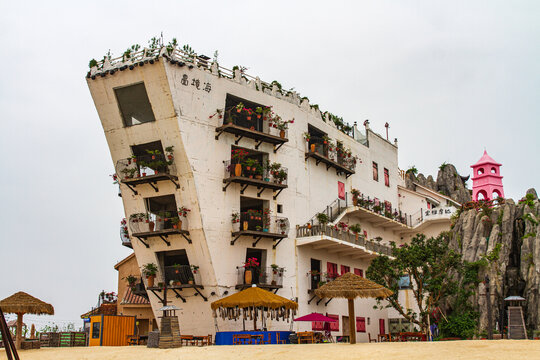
(194, 269)
(150, 270)
(356, 195)
(169, 154)
(275, 271)
(235, 219)
(182, 212)
(238, 156)
(131, 280)
(258, 172)
(355, 228)
(266, 219)
(322, 218)
(249, 267)
(249, 164)
(258, 228)
(175, 221)
(177, 268)
(282, 226)
(281, 176)
(282, 125)
(190, 280)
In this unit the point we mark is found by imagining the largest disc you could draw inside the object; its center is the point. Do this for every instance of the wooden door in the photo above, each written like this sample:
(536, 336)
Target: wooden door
(345, 322)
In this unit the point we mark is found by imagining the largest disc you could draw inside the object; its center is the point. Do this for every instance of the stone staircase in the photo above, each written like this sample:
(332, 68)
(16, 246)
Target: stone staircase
(516, 323)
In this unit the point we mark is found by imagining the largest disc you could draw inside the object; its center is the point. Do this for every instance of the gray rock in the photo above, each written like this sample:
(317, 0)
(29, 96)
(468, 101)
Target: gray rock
(533, 192)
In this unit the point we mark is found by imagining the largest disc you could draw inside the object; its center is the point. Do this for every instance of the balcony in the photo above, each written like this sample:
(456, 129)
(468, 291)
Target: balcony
(426, 217)
(337, 241)
(177, 278)
(252, 125)
(260, 225)
(261, 177)
(146, 169)
(147, 225)
(266, 278)
(124, 234)
(331, 156)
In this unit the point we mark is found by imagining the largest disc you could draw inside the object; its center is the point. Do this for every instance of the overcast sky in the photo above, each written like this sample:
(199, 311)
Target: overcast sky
(451, 78)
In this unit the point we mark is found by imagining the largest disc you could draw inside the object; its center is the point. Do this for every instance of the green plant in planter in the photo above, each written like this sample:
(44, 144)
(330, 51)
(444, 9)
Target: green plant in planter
(249, 163)
(150, 269)
(281, 175)
(322, 218)
(355, 228)
(131, 280)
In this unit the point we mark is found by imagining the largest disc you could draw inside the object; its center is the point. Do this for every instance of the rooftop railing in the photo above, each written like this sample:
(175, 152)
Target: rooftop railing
(255, 220)
(267, 173)
(145, 165)
(344, 235)
(264, 277)
(151, 222)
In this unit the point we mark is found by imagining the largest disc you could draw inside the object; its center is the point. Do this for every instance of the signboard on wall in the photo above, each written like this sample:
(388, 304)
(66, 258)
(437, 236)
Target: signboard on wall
(341, 190)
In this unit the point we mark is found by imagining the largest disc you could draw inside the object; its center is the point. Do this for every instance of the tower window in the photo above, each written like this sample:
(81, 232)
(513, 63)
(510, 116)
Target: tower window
(493, 170)
(375, 171)
(480, 171)
(134, 104)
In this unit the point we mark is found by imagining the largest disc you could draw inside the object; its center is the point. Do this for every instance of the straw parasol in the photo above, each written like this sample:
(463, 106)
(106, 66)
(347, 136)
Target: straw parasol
(251, 303)
(350, 287)
(21, 303)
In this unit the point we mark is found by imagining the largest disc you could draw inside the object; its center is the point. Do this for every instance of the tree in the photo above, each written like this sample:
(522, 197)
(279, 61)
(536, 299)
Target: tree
(429, 263)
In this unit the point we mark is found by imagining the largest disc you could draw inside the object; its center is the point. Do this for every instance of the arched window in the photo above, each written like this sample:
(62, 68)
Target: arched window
(493, 170)
(480, 171)
(482, 195)
(496, 194)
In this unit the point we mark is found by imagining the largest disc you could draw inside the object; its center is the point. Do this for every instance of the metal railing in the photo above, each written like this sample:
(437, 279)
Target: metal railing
(344, 235)
(145, 165)
(252, 121)
(261, 276)
(332, 152)
(432, 214)
(266, 172)
(175, 276)
(256, 220)
(164, 220)
(380, 207)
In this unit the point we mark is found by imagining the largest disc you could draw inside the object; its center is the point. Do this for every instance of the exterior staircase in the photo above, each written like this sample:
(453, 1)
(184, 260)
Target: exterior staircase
(334, 211)
(516, 323)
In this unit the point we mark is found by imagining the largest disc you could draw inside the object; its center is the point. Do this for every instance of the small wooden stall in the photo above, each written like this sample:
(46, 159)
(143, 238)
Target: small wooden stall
(111, 330)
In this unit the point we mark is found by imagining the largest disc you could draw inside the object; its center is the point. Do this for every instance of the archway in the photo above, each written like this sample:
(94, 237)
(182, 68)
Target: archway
(481, 195)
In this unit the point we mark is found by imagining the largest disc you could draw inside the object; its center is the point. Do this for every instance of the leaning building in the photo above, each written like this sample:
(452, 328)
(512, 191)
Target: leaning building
(229, 181)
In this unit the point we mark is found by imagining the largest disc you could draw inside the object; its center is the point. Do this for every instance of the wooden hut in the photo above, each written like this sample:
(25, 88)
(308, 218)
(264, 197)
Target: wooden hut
(111, 330)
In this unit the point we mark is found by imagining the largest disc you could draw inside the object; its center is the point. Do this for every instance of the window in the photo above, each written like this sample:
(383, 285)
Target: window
(359, 272)
(96, 328)
(480, 171)
(279, 209)
(345, 269)
(386, 177)
(331, 270)
(176, 266)
(252, 214)
(134, 104)
(315, 273)
(334, 325)
(375, 171)
(360, 324)
(163, 211)
(257, 273)
(404, 282)
(493, 170)
(244, 119)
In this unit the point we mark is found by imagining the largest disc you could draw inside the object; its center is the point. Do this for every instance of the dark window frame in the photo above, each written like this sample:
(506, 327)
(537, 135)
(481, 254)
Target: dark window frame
(123, 102)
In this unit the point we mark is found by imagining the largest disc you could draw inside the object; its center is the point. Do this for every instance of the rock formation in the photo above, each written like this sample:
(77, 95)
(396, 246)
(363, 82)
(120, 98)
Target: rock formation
(506, 239)
(448, 183)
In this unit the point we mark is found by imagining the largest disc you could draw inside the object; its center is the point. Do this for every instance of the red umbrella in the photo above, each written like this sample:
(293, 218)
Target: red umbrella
(315, 317)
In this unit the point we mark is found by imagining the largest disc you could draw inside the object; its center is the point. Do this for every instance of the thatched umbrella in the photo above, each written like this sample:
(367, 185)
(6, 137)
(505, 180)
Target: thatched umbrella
(21, 303)
(252, 301)
(351, 286)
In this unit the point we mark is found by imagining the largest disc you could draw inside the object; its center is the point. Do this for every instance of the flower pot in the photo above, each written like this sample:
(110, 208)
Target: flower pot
(143, 174)
(247, 276)
(265, 230)
(177, 271)
(282, 134)
(175, 226)
(312, 147)
(267, 179)
(274, 282)
(150, 280)
(248, 118)
(238, 169)
(355, 201)
(252, 128)
(245, 225)
(179, 225)
(238, 110)
(151, 225)
(190, 282)
(258, 177)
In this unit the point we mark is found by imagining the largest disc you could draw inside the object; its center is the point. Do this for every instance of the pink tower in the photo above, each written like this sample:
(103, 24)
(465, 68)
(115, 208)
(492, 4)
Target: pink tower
(487, 179)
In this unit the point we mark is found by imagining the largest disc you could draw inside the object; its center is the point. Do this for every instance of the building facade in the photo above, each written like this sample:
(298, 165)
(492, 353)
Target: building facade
(252, 167)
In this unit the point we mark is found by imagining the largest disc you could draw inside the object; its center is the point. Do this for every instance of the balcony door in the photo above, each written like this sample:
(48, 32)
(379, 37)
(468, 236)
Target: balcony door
(315, 273)
(258, 273)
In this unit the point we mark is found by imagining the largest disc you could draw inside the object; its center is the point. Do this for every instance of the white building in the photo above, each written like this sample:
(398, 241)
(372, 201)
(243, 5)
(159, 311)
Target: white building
(168, 112)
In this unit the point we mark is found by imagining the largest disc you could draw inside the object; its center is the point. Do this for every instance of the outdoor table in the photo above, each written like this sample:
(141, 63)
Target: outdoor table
(306, 336)
(226, 337)
(257, 338)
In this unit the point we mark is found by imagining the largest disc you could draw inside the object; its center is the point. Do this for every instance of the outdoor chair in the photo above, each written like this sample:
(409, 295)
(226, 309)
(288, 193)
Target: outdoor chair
(279, 340)
(370, 339)
(269, 341)
(186, 339)
(207, 340)
(241, 339)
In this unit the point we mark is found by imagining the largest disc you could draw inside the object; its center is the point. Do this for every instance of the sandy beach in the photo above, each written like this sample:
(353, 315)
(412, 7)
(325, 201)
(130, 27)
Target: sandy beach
(502, 349)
